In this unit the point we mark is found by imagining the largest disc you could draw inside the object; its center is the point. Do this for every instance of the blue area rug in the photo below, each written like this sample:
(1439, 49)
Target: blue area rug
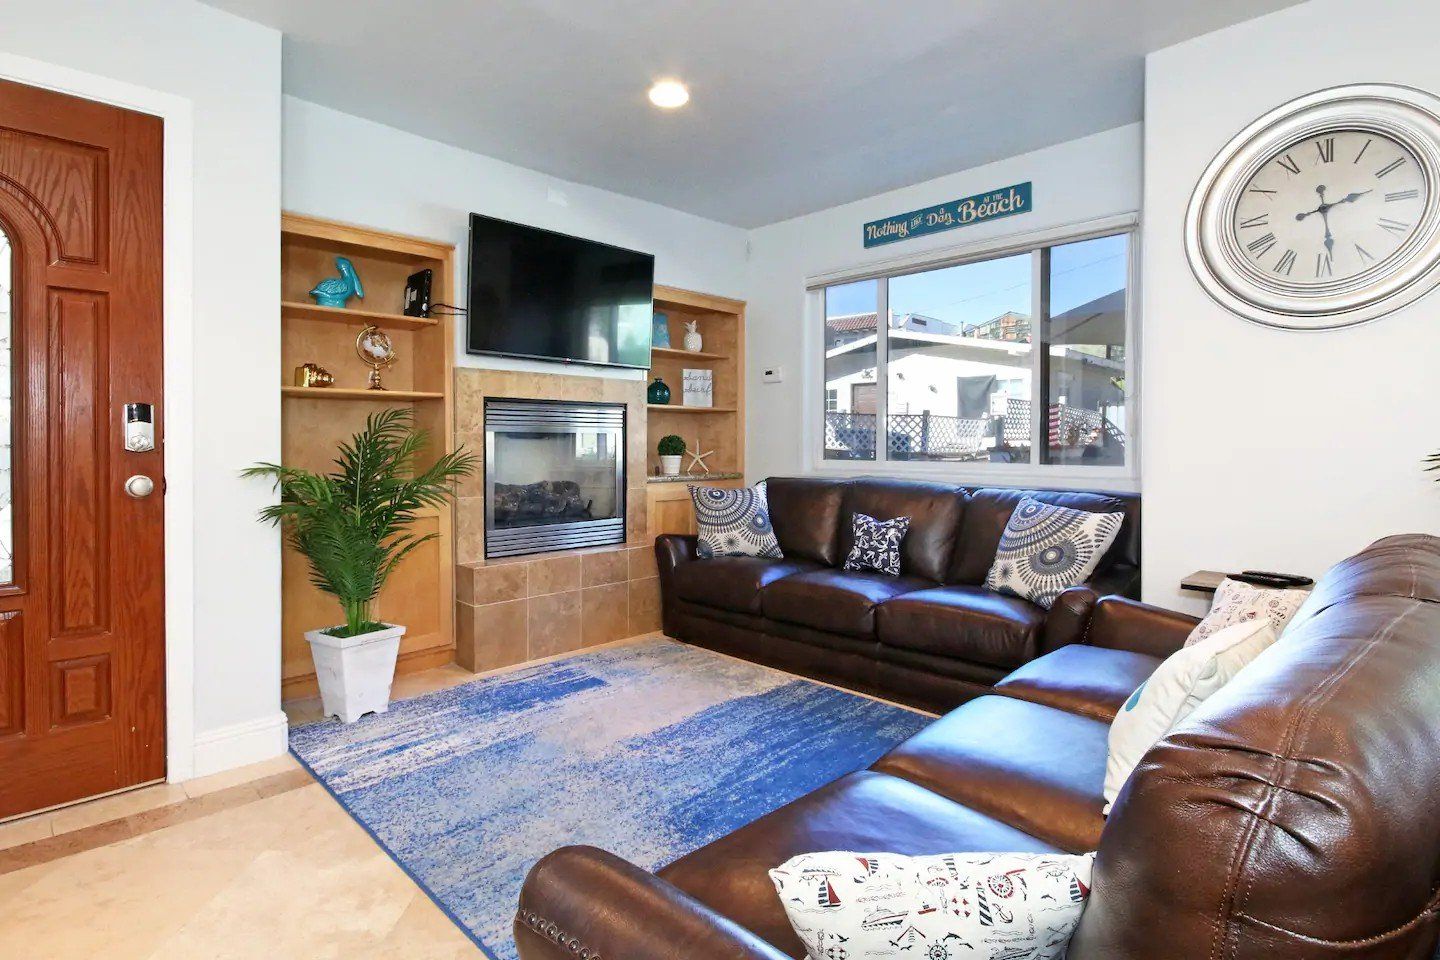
(649, 751)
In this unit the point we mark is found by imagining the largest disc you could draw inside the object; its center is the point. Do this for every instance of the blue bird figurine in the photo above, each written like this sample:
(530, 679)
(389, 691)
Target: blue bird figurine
(336, 290)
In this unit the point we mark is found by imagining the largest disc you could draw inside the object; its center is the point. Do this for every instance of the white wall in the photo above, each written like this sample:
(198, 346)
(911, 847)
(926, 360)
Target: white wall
(1087, 179)
(346, 168)
(229, 70)
(1264, 448)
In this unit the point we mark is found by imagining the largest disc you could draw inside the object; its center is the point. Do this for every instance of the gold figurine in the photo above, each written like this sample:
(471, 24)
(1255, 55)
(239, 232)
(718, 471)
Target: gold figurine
(313, 375)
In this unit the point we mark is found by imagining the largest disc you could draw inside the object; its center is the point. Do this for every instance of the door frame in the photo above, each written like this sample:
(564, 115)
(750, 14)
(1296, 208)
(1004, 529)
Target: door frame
(178, 337)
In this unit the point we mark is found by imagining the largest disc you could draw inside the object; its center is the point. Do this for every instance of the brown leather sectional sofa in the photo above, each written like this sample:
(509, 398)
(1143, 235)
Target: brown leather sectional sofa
(1295, 814)
(933, 637)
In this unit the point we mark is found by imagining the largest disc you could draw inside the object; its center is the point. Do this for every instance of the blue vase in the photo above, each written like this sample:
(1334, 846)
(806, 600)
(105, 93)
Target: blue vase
(658, 393)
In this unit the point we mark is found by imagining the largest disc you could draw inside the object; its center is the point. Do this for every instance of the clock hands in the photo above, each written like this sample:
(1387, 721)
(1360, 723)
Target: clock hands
(1325, 208)
(1324, 211)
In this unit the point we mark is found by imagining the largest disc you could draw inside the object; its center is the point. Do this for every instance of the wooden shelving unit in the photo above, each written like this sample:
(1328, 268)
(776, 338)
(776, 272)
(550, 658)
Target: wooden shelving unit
(721, 427)
(391, 321)
(675, 408)
(668, 353)
(351, 393)
(420, 594)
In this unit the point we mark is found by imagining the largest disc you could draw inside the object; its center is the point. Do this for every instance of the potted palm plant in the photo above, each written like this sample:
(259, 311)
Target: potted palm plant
(352, 525)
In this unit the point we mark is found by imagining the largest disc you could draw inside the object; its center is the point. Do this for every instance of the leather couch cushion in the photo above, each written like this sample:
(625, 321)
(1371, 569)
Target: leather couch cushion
(841, 601)
(733, 583)
(1039, 769)
(988, 509)
(865, 811)
(1091, 681)
(934, 510)
(805, 512)
(965, 623)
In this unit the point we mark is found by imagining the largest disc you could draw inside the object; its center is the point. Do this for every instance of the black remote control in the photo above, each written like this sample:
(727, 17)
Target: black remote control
(1267, 578)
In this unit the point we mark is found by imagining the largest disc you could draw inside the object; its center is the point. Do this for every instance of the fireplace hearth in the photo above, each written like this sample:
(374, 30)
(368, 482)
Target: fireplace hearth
(554, 476)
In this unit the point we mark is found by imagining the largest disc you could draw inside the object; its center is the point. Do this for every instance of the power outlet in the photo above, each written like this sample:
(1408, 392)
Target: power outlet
(772, 374)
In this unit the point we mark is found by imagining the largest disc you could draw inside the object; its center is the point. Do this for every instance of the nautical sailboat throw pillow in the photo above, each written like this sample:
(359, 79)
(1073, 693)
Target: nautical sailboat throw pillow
(976, 906)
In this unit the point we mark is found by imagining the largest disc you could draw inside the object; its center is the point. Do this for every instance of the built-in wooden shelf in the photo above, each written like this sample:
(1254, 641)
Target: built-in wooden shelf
(720, 428)
(673, 354)
(311, 311)
(421, 591)
(343, 393)
(677, 408)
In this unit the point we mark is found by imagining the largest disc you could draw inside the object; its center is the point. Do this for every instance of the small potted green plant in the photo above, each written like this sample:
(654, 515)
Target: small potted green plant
(352, 525)
(671, 448)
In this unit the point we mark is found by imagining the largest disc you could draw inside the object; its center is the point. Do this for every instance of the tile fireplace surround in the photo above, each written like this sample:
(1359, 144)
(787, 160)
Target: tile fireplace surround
(514, 609)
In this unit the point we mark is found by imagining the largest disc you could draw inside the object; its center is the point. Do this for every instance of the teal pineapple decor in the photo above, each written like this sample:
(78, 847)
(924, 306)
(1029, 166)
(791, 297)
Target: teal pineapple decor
(659, 392)
(336, 290)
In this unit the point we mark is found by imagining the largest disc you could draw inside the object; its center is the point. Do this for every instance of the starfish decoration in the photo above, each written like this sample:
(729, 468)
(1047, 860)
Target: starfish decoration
(697, 459)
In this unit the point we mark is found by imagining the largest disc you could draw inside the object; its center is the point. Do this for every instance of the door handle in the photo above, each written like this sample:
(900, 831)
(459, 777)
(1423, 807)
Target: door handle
(139, 486)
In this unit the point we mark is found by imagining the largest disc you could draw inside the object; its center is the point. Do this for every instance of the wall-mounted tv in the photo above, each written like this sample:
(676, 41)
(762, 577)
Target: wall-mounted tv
(548, 296)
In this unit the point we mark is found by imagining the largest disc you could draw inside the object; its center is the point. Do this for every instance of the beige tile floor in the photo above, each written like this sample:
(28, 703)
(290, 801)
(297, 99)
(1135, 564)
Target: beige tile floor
(278, 870)
(257, 863)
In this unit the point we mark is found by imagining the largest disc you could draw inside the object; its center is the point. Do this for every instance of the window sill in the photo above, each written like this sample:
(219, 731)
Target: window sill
(1119, 479)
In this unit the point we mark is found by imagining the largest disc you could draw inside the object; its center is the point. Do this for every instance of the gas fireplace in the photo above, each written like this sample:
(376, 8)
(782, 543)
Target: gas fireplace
(554, 475)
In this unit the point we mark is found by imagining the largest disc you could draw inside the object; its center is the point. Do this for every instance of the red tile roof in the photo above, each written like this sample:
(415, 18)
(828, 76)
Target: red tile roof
(850, 322)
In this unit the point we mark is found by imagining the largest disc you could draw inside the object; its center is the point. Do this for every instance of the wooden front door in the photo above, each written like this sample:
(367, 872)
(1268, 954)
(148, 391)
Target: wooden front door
(82, 705)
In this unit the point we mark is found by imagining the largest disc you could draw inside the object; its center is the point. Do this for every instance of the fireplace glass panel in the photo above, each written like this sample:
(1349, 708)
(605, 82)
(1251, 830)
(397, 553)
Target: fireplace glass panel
(554, 476)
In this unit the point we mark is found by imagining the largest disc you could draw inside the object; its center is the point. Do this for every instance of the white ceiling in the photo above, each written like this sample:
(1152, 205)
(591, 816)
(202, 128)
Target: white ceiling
(796, 105)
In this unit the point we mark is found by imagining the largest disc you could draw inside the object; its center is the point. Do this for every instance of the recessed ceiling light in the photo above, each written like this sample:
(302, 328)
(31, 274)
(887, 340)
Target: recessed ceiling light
(669, 94)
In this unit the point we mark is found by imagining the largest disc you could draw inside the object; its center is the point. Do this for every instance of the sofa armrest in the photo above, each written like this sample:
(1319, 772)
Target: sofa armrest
(581, 902)
(1121, 624)
(1118, 579)
(672, 549)
(1068, 617)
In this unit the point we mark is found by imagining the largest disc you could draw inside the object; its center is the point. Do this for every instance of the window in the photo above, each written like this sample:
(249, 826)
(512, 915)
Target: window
(1016, 359)
(851, 364)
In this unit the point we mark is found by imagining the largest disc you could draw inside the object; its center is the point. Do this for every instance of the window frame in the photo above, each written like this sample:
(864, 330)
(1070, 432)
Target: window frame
(1036, 472)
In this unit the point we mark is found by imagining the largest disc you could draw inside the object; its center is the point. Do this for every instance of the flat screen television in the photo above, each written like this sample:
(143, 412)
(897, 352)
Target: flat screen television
(548, 296)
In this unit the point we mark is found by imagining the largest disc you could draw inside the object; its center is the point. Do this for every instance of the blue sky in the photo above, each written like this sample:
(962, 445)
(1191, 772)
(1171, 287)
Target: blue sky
(976, 292)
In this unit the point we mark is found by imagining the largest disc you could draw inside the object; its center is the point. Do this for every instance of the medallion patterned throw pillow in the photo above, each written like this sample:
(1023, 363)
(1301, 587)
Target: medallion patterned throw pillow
(963, 906)
(734, 523)
(1047, 549)
(877, 544)
(1237, 602)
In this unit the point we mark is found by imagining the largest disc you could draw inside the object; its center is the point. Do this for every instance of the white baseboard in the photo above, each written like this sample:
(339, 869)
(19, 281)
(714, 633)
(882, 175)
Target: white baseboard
(241, 744)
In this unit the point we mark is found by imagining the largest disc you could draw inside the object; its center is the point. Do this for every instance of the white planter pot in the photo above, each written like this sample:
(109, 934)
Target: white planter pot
(670, 466)
(355, 672)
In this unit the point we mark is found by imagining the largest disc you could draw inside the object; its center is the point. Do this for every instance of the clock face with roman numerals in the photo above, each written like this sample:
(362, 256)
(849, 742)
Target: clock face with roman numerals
(1331, 206)
(1323, 213)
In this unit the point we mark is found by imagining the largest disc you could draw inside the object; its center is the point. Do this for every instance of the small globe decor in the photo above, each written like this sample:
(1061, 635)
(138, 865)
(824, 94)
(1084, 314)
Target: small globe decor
(374, 348)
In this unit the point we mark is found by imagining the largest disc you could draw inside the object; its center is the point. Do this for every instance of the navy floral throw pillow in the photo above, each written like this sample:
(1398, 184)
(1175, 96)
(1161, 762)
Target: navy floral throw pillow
(877, 544)
(734, 523)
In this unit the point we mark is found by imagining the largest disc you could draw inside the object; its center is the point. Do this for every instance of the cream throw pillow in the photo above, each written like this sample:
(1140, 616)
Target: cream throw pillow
(1237, 602)
(1174, 690)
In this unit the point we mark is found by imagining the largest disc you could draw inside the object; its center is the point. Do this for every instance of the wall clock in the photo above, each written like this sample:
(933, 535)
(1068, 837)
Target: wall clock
(1323, 213)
